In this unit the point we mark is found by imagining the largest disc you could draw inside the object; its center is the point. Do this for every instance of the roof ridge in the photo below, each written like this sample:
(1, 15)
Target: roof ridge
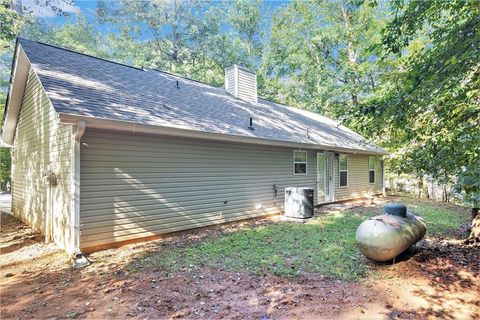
(80, 53)
(146, 68)
(115, 62)
(211, 85)
(180, 76)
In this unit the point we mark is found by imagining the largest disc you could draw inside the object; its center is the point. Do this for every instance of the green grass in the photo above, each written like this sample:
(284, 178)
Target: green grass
(73, 315)
(325, 246)
(439, 220)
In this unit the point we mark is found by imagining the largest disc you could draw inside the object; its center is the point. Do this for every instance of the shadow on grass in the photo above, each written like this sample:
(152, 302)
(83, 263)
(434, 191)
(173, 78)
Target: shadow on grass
(325, 245)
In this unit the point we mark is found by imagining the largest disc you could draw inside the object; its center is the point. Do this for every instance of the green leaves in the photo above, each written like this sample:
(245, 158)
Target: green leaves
(5, 156)
(432, 107)
(323, 54)
(403, 73)
(194, 38)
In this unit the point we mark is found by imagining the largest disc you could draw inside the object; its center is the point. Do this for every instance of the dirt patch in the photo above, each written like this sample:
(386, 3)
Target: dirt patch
(439, 279)
(19, 244)
(189, 294)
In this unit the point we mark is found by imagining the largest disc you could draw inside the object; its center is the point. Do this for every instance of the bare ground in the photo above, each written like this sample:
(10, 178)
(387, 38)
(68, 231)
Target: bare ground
(439, 279)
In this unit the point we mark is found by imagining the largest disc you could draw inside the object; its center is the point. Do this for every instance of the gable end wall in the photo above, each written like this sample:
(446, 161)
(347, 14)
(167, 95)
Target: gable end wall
(41, 143)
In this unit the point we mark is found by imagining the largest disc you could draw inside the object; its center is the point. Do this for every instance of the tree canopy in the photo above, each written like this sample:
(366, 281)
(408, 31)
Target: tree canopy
(430, 106)
(403, 73)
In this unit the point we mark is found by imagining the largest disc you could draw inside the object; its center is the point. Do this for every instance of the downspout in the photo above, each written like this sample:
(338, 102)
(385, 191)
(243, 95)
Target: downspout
(384, 192)
(78, 259)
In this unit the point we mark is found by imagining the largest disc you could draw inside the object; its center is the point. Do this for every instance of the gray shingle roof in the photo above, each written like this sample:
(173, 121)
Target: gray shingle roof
(82, 85)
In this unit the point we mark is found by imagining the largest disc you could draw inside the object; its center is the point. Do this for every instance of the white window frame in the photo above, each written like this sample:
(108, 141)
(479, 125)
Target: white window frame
(300, 162)
(369, 170)
(340, 170)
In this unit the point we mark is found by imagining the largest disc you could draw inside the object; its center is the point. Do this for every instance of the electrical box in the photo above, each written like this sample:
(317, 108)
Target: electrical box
(52, 179)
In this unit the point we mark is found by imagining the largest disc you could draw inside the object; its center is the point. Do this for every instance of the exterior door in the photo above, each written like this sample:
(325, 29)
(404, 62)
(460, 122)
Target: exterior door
(329, 177)
(320, 177)
(325, 177)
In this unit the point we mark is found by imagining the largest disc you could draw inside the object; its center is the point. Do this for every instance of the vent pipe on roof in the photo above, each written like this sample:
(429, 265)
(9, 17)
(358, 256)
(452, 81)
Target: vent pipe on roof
(251, 124)
(241, 83)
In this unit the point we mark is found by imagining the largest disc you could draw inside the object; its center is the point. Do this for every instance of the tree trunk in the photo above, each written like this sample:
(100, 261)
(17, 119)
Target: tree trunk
(354, 100)
(352, 57)
(474, 237)
(422, 188)
(447, 198)
(474, 213)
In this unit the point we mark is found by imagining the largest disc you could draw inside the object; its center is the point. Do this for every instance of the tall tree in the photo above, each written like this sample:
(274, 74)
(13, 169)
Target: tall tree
(76, 33)
(432, 106)
(193, 38)
(246, 20)
(322, 53)
(14, 21)
(170, 33)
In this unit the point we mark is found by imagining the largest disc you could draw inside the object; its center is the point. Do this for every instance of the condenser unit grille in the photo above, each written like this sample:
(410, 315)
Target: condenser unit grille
(299, 202)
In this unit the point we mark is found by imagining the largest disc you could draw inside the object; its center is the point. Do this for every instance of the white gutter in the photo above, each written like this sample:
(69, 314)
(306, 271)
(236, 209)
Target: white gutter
(79, 130)
(131, 127)
(384, 191)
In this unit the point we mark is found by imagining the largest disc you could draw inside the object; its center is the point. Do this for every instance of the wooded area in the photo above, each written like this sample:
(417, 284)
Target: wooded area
(405, 74)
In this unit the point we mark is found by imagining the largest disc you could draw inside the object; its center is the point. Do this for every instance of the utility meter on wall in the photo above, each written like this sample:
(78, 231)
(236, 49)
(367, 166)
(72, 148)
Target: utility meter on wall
(51, 178)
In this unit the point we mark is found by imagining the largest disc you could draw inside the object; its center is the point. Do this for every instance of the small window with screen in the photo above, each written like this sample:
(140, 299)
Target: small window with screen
(343, 168)
(300, 162)
(371, 169)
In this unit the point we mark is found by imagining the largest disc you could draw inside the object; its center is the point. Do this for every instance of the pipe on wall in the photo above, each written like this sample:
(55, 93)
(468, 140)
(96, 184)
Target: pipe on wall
(79, 130)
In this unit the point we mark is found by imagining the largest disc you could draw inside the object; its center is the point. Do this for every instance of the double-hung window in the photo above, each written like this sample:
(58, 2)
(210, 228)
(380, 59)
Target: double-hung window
(299, 162)
(343, 168)
(371, 169)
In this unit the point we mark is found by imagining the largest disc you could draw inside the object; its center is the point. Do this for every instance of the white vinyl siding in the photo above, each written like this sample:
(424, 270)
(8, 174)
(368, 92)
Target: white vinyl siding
(42, 143)
(230, 81)
(135, 186)
(358, 185)
(241, 83)
(247, 85)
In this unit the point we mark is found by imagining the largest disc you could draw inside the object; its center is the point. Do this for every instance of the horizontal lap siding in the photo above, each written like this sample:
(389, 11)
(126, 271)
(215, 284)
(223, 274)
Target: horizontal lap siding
(247, 85)
(139, 186)
(230, 80)
(41, 142)
(358, 184)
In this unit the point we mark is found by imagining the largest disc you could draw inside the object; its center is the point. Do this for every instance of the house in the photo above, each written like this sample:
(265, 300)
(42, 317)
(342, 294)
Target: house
(105, 153)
